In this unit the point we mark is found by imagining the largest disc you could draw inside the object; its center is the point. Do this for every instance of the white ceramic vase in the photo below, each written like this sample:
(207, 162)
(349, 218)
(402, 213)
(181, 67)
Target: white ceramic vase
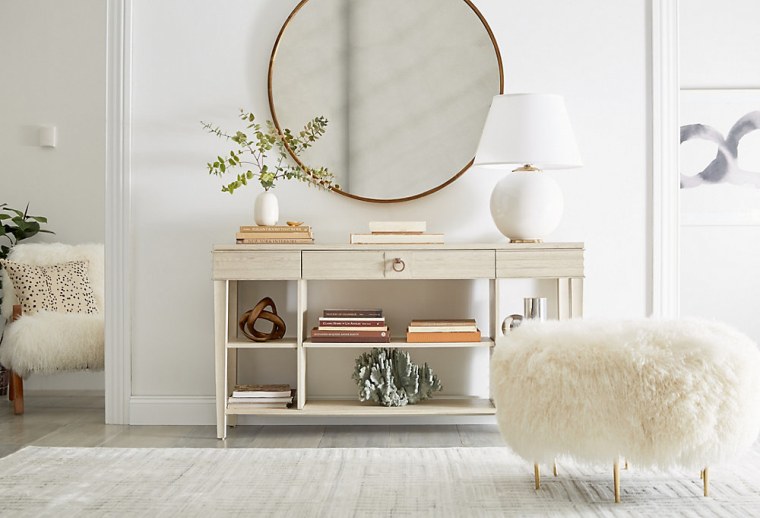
(266, 210)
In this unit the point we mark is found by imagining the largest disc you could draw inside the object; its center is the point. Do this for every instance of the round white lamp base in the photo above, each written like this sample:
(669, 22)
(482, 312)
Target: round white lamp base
(526, 206)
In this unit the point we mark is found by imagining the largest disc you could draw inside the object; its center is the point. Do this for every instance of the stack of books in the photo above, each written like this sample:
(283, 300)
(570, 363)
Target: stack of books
(262, 396)
(351, 326)
(397, 232)
(275, 234)
(457, 330)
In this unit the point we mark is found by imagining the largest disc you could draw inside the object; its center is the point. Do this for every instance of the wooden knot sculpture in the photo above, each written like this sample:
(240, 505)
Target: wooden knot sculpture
(249, 318)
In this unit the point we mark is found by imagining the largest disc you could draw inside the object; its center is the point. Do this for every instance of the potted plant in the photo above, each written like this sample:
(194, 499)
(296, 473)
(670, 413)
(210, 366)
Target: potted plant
(249, 159)
(15, 226)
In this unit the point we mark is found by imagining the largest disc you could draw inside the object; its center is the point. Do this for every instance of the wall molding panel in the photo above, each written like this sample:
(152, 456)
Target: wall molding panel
(665, 164)
(118, 351)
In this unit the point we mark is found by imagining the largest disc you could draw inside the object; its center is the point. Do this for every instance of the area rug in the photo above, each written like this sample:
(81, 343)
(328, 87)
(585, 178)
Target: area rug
(349, 482)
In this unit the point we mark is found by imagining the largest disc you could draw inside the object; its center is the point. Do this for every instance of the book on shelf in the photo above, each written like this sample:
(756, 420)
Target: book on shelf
(344, 336)
(440, 326)
(443, 322)
(443, 337)
(397, 226)
(397, 239)
(274, 228)
(352, 321)
(275, 241)
(352, 313)
(323, 327)
(274, 235)
(441, 329)
(258, 391)
(260, 400)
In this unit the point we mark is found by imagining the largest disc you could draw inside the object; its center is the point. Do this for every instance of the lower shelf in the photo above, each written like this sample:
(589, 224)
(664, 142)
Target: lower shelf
(348, 407)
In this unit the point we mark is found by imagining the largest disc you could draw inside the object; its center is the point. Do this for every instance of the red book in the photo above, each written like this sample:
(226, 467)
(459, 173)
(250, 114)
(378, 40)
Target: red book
(336, 322)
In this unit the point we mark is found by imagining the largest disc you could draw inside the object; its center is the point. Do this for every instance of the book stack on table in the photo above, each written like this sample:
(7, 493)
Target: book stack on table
(398, 233)
(262, 396)
(274, 234)
(350, 326)
(443, 331)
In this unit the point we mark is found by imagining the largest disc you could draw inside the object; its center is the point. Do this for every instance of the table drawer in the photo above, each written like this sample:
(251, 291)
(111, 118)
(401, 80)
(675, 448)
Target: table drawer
(538, 264)
(440, 264)
(335, 264)
(257, 265)
(399, 264)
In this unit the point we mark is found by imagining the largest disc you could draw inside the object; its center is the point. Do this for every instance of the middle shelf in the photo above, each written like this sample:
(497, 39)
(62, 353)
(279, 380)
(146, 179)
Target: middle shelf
(397, 342)
(292, 343)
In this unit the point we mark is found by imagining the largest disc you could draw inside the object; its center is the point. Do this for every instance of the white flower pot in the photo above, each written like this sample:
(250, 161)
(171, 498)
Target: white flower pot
(266, 210)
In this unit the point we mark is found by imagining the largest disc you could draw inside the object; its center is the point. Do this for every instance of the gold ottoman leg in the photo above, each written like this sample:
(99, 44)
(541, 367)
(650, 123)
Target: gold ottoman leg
(706, 481)
(616, 480)
(537, 475)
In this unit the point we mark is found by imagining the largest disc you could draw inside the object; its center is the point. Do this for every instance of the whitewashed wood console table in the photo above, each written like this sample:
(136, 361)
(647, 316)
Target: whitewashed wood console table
(303, 263)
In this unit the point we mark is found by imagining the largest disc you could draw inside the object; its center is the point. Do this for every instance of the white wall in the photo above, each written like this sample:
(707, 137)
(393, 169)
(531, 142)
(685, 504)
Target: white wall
(720, 49)
(202, 60)
(52, 64)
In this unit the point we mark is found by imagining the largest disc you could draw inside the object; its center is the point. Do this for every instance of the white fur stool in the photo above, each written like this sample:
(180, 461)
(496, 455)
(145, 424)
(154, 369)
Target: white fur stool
(658, 393)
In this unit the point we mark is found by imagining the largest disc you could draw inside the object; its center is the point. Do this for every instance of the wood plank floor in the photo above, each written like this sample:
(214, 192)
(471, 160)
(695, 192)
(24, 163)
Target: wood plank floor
(78, 421)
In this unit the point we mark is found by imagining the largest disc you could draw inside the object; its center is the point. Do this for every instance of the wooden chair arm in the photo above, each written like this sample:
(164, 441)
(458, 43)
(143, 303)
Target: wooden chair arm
(16, 312)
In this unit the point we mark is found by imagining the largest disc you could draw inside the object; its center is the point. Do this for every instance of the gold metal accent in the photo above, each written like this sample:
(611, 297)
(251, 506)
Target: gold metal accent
(273, 58)
(398, 262)
(625, 466)
(528, 168)
(537, 476)
(555, 468)
(706, 481)
(616, 480)
(526, 240)
(294, 223)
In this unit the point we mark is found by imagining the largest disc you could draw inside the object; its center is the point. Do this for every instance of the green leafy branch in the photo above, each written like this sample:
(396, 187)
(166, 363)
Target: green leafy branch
(251, 150)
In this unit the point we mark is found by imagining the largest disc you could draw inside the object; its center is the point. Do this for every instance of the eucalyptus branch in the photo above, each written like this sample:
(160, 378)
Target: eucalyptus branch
(254, 143)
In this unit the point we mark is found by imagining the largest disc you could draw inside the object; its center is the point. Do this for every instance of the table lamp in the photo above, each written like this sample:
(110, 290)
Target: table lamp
(531, 131)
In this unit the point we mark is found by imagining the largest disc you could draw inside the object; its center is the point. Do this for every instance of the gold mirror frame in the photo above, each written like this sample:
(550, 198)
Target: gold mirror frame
(276, 122)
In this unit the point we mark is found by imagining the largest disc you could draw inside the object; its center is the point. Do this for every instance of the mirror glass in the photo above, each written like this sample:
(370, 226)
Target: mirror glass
(405, 87)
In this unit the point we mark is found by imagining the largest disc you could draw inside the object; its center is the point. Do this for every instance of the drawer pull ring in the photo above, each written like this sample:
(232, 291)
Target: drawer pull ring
(398, 265)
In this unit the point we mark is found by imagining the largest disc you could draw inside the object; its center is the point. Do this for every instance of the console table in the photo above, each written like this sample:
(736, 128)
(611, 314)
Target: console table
(303, 263)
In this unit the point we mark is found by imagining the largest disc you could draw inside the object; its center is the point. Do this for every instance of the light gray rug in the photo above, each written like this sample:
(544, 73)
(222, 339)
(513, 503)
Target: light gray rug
(349, 482)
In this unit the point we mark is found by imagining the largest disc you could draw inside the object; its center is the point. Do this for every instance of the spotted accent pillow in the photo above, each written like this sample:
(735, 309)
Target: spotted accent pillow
(63, 287)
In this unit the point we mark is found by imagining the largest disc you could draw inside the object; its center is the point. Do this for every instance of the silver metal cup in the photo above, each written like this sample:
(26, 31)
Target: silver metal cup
(534, 309)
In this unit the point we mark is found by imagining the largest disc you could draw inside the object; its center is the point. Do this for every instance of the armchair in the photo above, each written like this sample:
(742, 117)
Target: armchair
(53, 304)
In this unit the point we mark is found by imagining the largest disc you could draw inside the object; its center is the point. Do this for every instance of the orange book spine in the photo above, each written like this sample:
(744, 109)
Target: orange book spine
(471, 336)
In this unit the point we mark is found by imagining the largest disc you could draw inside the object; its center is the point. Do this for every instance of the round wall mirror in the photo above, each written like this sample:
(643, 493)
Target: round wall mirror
(405, 87)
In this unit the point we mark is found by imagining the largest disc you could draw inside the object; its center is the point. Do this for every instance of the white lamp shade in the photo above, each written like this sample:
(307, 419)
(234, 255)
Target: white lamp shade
(528, 129)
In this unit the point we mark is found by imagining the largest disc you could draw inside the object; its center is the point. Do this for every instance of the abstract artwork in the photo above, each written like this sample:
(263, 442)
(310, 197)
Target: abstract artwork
(720, 157)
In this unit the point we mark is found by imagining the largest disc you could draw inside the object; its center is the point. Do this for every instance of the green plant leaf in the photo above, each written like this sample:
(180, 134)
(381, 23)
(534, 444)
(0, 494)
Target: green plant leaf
(254, 150)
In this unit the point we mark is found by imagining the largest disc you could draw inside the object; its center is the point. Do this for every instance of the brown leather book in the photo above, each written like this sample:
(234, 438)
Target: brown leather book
(345, 336)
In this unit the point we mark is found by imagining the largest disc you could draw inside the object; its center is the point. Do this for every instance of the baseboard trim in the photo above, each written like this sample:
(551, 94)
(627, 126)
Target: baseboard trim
(201, 410)
(172, 410)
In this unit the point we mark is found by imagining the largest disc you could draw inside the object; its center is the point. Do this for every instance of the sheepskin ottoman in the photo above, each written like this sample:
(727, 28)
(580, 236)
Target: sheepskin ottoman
(658, 393)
